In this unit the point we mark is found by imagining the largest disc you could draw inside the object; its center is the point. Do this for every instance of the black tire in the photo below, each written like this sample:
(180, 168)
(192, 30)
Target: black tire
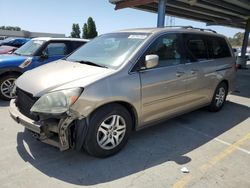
(91, 144)
(3, 79)
(216, 106)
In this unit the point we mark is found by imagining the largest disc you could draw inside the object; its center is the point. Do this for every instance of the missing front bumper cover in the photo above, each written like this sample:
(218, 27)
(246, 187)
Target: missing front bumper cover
(43, 129)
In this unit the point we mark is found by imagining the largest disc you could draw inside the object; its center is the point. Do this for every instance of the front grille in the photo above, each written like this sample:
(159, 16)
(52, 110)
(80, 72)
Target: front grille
(24, 102)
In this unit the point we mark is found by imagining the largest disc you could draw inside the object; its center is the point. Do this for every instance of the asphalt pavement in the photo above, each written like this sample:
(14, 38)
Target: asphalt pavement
(214, 148)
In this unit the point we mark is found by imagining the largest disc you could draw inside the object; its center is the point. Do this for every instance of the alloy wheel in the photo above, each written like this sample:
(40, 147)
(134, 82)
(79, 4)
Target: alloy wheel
(111, 132)
(7, 87)
(220, 96)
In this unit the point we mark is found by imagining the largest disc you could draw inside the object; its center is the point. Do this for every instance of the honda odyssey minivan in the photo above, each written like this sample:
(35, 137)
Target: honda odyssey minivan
(121, 82)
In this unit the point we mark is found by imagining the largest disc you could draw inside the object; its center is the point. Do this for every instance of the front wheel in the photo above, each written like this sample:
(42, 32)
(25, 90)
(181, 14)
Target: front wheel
(219, 97)
(6, 85)
(109, 129)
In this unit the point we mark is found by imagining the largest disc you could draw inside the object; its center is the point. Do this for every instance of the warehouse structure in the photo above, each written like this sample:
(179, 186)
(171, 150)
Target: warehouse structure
(28, 34)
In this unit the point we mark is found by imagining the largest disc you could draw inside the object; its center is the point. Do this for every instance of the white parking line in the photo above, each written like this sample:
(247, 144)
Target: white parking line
(217, 139)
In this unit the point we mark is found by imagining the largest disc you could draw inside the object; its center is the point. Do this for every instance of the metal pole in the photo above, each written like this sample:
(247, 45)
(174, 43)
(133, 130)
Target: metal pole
(161, 13)
(244, 45)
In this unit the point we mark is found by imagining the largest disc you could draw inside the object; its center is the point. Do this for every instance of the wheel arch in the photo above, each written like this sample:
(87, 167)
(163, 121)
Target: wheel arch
(10, 70)
(129, 107)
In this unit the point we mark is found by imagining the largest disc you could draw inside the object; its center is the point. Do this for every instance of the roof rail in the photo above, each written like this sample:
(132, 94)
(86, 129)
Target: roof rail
(191, 27)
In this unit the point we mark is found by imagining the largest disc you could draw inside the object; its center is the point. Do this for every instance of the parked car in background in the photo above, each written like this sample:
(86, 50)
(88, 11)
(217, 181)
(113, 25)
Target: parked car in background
(247, 55)
(34, 53)
(15, 42)
(7, 49)
(120, 82)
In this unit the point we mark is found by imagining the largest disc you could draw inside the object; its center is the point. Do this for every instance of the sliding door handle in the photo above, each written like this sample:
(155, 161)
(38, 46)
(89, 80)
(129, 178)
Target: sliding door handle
(179, 73)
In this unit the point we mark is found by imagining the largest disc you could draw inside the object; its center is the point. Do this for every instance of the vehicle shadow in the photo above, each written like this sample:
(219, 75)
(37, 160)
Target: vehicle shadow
(168, 141)
(242, 86)
(4, 103)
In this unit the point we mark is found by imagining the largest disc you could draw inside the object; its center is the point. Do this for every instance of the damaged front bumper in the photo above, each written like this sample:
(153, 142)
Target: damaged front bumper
(55, 132)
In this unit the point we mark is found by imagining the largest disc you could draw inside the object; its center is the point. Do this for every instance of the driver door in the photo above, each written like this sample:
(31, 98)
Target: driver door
(163, 87)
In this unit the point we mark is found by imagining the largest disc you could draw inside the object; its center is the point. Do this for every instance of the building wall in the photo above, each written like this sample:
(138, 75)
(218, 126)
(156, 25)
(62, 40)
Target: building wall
(28, 34)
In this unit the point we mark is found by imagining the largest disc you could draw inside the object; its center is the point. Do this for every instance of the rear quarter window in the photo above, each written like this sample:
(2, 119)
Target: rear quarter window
(218, 48)
(75, 45)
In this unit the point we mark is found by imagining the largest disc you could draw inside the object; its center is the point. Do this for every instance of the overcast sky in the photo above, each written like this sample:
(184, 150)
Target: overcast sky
(57, 16)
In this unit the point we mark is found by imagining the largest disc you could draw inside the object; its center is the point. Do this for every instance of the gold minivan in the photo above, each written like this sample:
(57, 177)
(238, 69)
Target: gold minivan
(121, 82)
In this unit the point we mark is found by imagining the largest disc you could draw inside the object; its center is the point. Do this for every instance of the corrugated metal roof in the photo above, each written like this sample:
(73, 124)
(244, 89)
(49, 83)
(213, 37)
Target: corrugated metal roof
(234, 13)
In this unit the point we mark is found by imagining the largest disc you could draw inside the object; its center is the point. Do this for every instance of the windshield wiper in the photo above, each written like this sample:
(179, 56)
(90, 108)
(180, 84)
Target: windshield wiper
(91, 63)
(16, 53)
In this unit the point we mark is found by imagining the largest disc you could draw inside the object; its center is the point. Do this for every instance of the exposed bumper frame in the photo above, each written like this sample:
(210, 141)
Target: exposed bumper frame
(40, 128)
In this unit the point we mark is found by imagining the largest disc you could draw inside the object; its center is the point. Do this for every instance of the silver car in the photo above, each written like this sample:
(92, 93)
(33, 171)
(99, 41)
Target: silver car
(121, 82)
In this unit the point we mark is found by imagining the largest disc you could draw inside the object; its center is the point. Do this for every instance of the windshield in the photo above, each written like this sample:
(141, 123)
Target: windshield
(29, 48)
(110, 50)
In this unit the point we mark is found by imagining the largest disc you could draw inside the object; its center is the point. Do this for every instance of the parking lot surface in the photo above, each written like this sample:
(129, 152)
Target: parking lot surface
(214, 147)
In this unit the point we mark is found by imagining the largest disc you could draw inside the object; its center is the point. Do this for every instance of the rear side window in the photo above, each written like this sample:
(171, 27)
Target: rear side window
(196, 46)
(76, 44)
(218, 48)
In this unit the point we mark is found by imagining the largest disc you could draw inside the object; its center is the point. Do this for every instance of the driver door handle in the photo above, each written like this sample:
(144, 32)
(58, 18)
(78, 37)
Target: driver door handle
(194, 71)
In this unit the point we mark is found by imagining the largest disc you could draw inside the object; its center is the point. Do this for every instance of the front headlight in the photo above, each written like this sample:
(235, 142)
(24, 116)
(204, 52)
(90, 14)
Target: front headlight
(56, 102)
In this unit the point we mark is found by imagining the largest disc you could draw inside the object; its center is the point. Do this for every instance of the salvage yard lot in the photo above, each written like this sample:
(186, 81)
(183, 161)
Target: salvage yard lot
(215, 147)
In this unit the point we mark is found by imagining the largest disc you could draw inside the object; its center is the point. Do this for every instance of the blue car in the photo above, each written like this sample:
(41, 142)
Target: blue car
(15, 42)
(34, 53)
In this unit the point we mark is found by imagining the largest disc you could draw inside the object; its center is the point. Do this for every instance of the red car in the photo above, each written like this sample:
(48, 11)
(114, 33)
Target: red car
(7, 49)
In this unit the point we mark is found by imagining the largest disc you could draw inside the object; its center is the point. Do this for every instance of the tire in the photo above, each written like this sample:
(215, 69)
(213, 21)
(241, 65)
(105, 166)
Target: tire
(6, 86)
(104, 120)
(219, 97)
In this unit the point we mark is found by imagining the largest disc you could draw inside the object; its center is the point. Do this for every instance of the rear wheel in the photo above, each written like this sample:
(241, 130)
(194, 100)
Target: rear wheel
(6, 85)
(109, 129)
(219, 97)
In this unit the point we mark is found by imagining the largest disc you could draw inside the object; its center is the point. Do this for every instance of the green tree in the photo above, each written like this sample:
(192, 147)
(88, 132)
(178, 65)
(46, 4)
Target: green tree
(92, 33)
(75, 31)
(10, 28)
(89, 29)
(85, 31)
(237, 39)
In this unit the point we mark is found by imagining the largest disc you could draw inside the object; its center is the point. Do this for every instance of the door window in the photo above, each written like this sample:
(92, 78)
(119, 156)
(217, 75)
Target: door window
(168, 50)
(56, 49)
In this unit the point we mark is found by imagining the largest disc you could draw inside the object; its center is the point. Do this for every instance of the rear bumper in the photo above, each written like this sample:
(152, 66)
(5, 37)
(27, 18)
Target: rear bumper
(23, 120)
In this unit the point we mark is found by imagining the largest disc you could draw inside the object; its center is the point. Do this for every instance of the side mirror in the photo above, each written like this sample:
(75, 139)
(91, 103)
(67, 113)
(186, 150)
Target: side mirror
(44, 55)
(151, 61)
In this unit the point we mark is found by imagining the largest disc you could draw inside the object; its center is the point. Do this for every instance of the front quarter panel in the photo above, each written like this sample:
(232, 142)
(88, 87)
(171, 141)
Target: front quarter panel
(119, 87)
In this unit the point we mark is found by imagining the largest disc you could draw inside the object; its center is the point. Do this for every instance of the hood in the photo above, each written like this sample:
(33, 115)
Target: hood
(59, 75)
(11, 60)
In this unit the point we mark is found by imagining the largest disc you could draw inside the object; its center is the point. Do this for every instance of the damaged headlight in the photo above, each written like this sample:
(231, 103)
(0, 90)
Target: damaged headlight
(56, 102)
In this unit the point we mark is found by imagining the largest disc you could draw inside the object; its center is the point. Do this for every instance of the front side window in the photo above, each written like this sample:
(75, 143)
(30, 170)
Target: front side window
(168, 50)
(29, 48)
(110, 50)
(54, 49)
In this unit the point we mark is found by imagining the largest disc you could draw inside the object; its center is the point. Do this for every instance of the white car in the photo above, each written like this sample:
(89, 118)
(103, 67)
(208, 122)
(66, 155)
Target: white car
(247, 55)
